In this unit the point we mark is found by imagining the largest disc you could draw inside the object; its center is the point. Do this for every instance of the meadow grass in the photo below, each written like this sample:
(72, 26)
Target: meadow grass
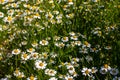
(59, 40)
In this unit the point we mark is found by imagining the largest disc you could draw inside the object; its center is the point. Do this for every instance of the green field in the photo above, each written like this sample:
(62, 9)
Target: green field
(59, 40)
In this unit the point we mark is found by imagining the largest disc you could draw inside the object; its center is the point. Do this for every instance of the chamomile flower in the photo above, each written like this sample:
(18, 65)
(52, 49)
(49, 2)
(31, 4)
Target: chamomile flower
(8, 19)
(16, 51)
(85, 71)
(10, 12)
(50, 72)
(1, 14)
(69, 77)
(34, 44)
(74, 37)
(40, 64)
(103, 70)
(49, 16)
(94, 70)
(34, 55)
(70, 2)
(44, 42)
(30, 50)
(32, 77)
(65, 39)
(86, 44)
(72, 34)
(71, 69)
(114, 71)
(25, 56)
(17, 72)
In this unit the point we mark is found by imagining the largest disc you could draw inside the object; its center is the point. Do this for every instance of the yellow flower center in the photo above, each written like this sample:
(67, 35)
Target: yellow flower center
(41, 64)
(15, 51)
(105, 65)
(25, 55)
(87, 72)
(2, 1)
(69, 0)
(32, 77)
(9, 18)
(70, 79)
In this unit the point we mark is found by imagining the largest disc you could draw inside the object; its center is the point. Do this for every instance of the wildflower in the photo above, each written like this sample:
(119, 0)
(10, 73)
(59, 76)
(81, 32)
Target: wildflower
(3, 1)
(49, 16)
(25, 56)
(69, 77)
(75, 60)
(114, 71)
(71, 15)
(53, 78)
(103, 70)
(50, 72)
(86, 44)
(71, 69)
(44, 42)
(65, 39)
(61, 45)
(86, 71)
(40, 64)
(30, 50)
(72, 33)
(106, 66)
(78, 43)
(17, 72)
(32, 78)
(70, 2)
(14, 5)
(44, 55)
(74, 37)
(1, 14)
(8, 19)
(10, 12)
(16, 51)
(34, 44)
(34, 55)
(37, 15)
(94, 70)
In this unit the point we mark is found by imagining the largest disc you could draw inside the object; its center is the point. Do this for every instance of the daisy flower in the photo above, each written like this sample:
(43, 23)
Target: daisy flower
(32, 78)
(70, 2)
(40, 64)
(1, 14)
(44, 42)
(114, 71)
(65, 39)
(8, 19)
(50, 72)
(30, 50)
(16, 51)
(69, 77)
(86, 71)
(25, 56)
(34, 55)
